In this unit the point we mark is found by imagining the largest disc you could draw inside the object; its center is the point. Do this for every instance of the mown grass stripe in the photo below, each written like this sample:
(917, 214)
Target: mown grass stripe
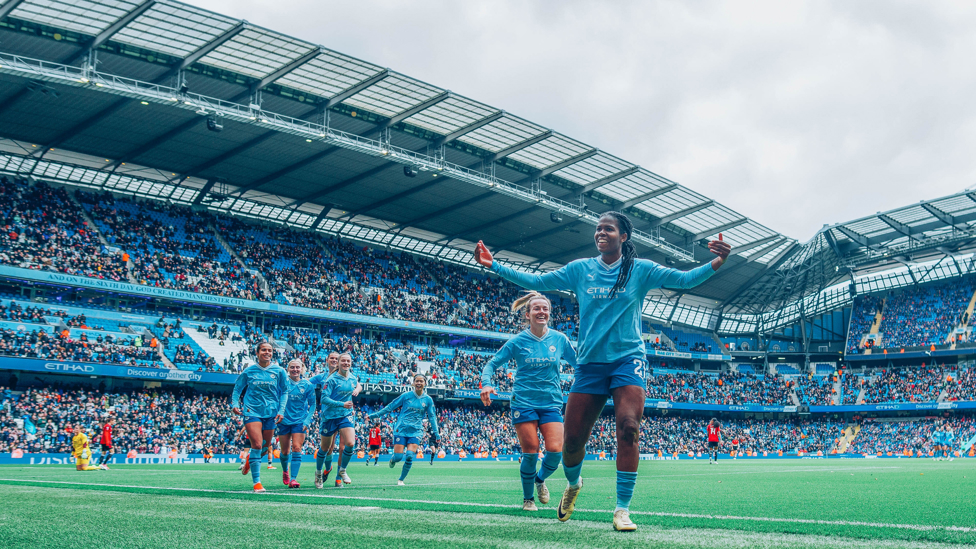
(917, 527)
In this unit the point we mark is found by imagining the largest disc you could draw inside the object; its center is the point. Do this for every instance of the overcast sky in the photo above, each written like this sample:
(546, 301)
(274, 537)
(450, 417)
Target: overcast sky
(796, 114)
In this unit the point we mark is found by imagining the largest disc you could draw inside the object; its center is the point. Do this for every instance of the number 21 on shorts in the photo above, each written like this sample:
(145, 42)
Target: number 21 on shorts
(640, 368)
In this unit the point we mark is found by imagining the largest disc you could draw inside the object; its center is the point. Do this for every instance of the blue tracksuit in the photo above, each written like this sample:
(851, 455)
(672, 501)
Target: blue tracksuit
(267, 391)
(537, 384)
(413, 409)
(609, 328)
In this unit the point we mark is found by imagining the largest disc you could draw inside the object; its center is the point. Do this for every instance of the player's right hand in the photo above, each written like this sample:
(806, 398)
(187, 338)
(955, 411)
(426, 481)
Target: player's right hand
(482, 255)
(486, 393)
(347, 405)
(236, 411)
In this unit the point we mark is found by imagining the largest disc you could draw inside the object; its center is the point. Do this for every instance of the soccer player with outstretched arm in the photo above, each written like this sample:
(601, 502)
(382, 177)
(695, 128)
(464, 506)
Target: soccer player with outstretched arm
(610, 290)
(335, 417)
(266, 397)
(297, 417)
(409, 428)
(537, 398)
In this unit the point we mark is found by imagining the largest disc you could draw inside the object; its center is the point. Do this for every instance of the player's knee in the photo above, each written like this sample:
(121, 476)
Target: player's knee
(409, 458)
(628, 430)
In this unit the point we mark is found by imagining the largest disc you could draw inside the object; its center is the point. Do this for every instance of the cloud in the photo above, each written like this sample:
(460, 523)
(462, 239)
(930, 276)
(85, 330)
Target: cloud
(795, 114)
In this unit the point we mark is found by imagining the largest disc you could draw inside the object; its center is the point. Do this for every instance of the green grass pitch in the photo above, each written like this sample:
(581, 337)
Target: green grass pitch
(754, 503)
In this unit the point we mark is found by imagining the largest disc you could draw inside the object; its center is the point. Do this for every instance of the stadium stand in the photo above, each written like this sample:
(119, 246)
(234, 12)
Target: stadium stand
(903, 437)
(44, 229)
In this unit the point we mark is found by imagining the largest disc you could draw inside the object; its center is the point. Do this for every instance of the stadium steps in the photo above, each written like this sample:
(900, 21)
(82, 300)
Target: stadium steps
(101, 238)
(212, 346)
(875, 326)
(850, 433)
(968, 313)
(861, 394)
(262, 282)
(838, 395)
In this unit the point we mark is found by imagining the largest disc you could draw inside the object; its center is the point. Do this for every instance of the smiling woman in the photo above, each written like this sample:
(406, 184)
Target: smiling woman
(610, 290)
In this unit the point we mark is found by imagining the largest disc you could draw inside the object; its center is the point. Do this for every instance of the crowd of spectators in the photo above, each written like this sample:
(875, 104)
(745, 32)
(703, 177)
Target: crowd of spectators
(39, 343)
(815, 390)
(961, 385)
(727, 388)
(44, 229)
(923, 384)
(924, 316)
(865, 308)
(170, 246)
(901, 437)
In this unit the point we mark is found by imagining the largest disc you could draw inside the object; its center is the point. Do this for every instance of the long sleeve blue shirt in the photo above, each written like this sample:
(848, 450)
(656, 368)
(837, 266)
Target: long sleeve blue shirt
(537, 383)
(609, 329)
(267, 391)
(336, 392)
(413, 410)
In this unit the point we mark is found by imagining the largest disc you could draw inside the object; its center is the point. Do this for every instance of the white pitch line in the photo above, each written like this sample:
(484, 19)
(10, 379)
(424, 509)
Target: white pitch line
(918, 527)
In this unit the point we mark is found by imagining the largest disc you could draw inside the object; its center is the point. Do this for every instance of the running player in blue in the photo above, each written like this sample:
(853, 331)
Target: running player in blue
(409, 428)
(537, 397)
(266, 397)
(335, 417)
(298, 416)
(948, 439)
(610, 290)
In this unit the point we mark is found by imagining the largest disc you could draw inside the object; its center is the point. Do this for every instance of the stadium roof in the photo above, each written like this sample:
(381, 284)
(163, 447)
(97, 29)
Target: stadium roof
(123, 91)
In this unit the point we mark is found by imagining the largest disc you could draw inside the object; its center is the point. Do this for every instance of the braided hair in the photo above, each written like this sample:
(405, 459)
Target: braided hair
(628, 249)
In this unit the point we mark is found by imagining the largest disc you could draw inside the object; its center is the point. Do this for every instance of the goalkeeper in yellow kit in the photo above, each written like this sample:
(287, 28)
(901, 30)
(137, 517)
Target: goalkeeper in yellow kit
(82, 453)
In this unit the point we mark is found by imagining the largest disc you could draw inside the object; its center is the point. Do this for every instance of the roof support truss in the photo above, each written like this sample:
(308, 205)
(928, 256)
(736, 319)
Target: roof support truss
(713, 230)
(561, 165)
(592, 186)
(311, 54)
(208, 47)
(205, 191)
(896, 225)
(112, 30)
(8, 7)
(519, 146)
(681, 213)
(468, 129)
(738, 250)
(647, 196)
(356, 88)
(856, 237)
(396, 119)
(948, 219)
(321, 217)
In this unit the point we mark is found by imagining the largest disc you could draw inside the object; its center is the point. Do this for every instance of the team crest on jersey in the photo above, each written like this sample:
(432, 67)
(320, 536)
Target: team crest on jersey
(516, 414)
(552, 348)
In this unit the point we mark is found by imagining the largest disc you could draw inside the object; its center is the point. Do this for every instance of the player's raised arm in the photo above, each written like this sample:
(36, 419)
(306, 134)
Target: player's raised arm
(559, 279)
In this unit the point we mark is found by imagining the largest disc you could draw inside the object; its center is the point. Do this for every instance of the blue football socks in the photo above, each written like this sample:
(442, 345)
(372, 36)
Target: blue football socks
(527, 472)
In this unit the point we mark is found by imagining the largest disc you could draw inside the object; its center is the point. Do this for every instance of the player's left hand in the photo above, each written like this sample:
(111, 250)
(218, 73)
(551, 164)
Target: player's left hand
(347, 405)
(720, 248)
(278, 418)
